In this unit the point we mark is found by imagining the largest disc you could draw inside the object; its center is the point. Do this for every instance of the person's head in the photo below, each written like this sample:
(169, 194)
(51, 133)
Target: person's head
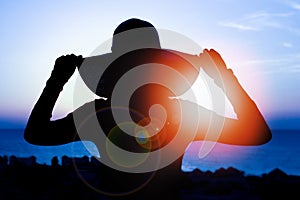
(134, 34)
(130, 35)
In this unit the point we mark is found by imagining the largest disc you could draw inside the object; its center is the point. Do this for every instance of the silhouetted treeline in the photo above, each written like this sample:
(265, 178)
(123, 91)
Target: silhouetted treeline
(77, 178)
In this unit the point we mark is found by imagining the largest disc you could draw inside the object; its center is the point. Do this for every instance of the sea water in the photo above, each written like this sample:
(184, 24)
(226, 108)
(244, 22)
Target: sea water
(282, 152)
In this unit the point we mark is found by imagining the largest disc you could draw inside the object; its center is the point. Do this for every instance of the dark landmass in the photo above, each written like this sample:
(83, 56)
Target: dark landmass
(23, 178)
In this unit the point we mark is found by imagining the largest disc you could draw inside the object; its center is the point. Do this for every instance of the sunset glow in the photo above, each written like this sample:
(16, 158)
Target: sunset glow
(259, 41)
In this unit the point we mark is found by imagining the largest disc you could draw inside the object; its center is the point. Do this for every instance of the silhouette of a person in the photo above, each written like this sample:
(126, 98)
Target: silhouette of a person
(249, 128)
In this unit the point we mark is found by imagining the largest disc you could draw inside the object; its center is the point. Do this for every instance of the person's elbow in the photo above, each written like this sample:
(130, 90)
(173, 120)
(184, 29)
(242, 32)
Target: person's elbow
(29, 136)
(265, 134)
(32, 135)
(259, 134)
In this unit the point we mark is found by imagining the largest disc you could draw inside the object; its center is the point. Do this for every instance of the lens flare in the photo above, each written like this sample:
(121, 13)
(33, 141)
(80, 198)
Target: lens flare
(122, 140)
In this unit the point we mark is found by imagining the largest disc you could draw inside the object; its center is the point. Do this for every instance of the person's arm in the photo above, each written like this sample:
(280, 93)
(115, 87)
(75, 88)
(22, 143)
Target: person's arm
(40, 130)
(249, 128)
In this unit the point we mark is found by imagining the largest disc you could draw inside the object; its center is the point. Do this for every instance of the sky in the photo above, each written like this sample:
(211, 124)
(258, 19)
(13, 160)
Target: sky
(259, 40)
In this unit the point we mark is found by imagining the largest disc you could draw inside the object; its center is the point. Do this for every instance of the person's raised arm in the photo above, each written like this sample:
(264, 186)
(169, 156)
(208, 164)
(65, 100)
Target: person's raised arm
(40, 130)
(250, 127)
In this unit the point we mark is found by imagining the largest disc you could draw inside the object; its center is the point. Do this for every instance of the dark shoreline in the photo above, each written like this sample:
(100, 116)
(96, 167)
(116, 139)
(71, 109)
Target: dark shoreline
(23, 178)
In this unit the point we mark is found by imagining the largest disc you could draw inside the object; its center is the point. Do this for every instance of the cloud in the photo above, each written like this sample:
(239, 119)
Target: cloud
(258, 21)
(239, 26)
(294, 30)
(294, 68)
(264, 14)
(296, 6)
(293, 5)
(284, 64)
(287, 45)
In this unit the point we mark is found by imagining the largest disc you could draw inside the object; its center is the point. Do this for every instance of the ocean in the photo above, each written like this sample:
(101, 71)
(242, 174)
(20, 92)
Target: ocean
(282, 152)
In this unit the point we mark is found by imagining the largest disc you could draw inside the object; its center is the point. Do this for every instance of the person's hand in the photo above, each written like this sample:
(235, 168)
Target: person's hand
(65, 66)
(213, 65)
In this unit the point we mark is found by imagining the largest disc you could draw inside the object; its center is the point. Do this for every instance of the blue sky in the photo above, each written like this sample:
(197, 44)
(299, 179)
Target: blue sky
(259, 40)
